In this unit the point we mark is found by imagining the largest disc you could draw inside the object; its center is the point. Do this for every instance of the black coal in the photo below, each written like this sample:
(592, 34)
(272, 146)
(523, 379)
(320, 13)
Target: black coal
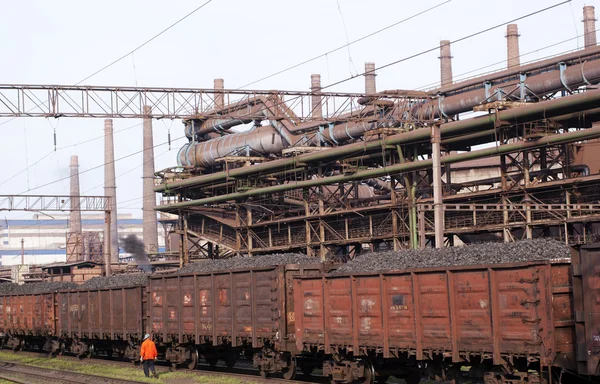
(120, 280)
(35, 288)
(248, 262)
(486, 253)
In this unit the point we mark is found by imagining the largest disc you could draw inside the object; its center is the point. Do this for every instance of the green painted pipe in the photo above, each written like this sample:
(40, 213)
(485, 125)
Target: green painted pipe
(394, 169)
(542, 110)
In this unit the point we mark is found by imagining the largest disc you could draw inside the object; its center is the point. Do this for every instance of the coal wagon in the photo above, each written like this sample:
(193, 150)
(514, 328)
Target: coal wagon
(27, 320)
(221, 315)
(493, 322)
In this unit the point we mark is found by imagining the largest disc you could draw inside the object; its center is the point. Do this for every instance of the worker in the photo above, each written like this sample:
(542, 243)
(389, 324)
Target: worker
(148, 354)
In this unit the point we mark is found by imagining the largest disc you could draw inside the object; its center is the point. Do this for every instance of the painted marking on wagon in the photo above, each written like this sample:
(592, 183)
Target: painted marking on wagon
(483, 303)
(367, 305)
(187, 298)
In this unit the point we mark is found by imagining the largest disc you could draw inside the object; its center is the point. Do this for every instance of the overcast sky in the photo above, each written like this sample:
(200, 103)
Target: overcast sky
(62, 42)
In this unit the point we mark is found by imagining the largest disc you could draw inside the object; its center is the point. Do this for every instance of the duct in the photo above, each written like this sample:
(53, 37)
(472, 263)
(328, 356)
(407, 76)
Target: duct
(395, 169)
(378, 185)
(543, 110)
(572, 77)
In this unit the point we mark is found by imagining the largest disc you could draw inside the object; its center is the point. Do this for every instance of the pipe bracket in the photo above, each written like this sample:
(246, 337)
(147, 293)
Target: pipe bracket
(563, 67)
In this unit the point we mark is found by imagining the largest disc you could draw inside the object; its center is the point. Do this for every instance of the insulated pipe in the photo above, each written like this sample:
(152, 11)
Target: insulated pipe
(370, 87)
(589, 26)
(75, 215)
(512, 46)
(543, 110)
(445, 63)
(315, 87)
(150, 226)
(568, 79)
(110, 188)
(395, 169)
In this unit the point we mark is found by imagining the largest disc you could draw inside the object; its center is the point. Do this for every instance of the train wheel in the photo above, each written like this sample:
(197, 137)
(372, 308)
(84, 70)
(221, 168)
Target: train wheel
(369, 373)
(230, 360)
(290, 372)
(193, 363)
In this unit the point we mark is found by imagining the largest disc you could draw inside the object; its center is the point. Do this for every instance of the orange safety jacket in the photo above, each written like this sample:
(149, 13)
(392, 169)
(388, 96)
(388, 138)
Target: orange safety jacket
(148, 350)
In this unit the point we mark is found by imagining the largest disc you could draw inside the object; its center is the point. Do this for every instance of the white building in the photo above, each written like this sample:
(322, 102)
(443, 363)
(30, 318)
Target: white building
(44, 237)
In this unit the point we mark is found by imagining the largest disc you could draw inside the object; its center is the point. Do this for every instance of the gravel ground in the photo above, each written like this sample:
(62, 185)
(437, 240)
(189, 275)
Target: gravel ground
(248, 262)
(487, 253)
(121, 280)
(48, 286)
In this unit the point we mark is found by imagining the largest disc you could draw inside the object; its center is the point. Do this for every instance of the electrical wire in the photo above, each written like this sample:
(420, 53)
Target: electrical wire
(451, 42)
(346, 45)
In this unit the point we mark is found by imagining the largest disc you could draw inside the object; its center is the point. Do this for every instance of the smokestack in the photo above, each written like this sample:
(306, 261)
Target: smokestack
(445, 63)
(150, 227)
(219, 99)
(315, 86)
(370, 88)
(110, 188)
(75, 219)
(512, 46)
(589, 26)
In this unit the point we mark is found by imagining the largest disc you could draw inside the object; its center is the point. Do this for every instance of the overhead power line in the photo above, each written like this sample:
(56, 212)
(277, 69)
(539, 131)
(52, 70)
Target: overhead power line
(451, 42)
(346, 45)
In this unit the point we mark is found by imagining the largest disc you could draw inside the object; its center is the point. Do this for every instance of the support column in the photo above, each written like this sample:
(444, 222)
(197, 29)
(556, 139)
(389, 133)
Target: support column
(150, 223)
(438, 207)
(110, 187)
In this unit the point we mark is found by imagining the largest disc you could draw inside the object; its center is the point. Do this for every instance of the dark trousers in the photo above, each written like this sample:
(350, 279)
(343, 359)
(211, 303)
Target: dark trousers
(149, 366)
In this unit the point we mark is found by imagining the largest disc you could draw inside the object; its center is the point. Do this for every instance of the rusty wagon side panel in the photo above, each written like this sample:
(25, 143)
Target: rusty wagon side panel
(111, 313)
(239, 307)
(498, 310)
(31, 314)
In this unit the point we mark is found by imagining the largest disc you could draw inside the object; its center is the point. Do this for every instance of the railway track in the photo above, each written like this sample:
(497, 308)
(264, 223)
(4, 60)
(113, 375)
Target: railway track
(27, 374)
(243, 372)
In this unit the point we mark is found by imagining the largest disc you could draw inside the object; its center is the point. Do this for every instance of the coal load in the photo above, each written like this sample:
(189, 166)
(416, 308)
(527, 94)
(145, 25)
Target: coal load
(35, 288)
(223, 265)
(477, 254)
(114, 281)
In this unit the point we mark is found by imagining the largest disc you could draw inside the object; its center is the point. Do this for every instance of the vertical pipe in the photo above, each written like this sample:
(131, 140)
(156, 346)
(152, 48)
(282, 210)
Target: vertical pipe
(315, 86)
(438, 208)
(512, 46)
(150, 224)
(370, 88)
(219, 84)
(589, 26)
(110, 188)
(445, 63)
(75, 219)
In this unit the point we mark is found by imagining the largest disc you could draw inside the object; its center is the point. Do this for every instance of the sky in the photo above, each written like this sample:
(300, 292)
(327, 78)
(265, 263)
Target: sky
(64, 41)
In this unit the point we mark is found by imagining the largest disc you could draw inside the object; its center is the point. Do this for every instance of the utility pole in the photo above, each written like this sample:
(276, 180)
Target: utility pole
(22, 252)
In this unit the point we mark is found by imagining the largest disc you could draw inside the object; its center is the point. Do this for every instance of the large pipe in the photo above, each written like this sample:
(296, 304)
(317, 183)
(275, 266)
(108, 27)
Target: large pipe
(542, 110)
(315, 86)
(445, 63)
(570, 78)
(149, 203)
(512, 46)
(395, 169)
(75, 215)
(589, 26)
(110, 188)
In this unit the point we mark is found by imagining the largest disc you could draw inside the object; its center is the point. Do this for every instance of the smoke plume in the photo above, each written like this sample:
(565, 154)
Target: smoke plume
(134, 246)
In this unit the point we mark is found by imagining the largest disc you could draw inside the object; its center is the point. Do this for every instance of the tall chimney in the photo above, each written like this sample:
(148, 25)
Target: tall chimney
(589, 26)
(219, 99)
(75, 219)
(315, 86)
(150, 226)
(370, 87)
(110, 188)
(445, 63)
(512, 46)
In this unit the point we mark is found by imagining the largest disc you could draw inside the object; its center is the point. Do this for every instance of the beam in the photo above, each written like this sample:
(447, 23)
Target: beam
(53, 203)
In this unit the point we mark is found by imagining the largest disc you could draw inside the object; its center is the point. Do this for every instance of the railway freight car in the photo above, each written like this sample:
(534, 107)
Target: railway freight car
(220, 315)
(26, 320)
(501, 323)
